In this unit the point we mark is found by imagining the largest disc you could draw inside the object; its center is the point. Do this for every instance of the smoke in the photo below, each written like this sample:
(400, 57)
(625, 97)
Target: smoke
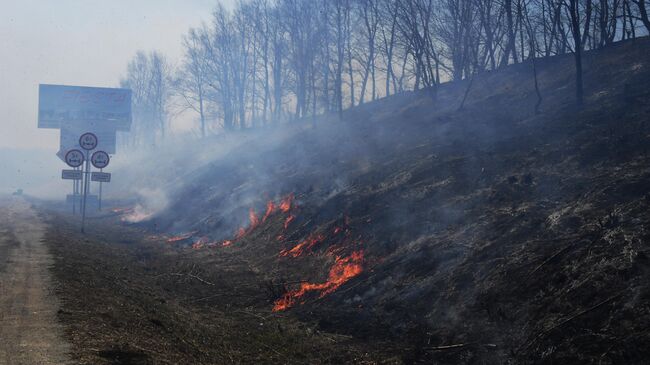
(36, 171)
(150, 203)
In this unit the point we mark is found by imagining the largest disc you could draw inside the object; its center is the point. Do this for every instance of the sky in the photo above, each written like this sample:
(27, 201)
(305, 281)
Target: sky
(79, 42)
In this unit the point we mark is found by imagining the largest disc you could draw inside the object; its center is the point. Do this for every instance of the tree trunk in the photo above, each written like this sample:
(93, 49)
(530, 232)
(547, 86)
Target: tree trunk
(575, 30)
(643, 12)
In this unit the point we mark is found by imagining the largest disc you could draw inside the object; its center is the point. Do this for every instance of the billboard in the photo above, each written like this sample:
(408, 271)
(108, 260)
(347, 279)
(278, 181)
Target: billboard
(59, 105)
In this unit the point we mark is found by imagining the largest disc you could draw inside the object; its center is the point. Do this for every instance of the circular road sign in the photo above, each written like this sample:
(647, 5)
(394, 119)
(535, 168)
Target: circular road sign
(100, 159)
(74, 158)
(88, 141)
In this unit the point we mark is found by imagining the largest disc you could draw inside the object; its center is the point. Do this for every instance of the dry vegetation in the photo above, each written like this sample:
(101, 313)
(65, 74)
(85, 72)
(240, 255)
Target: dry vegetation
(490, 235)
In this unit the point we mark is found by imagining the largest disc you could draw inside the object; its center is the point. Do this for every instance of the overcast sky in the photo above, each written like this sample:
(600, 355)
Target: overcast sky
(79, 42)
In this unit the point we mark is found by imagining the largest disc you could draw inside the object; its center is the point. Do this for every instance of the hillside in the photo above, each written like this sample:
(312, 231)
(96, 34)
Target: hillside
(483, 235)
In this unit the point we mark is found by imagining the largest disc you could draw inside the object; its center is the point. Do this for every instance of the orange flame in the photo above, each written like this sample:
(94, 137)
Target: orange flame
(270, 208)
(253, 218)
(285, 204)
(303, 246)
(288, 221)
(181, 237)
(343, 270)
(241, 232)
(199, 243)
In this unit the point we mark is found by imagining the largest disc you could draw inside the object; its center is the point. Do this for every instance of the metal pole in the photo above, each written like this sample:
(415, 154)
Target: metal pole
(85, 186)
(80, 189)
(100, 193)
(74, 196)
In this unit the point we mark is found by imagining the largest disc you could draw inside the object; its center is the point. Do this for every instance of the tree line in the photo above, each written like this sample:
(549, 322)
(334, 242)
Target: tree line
(271, 61)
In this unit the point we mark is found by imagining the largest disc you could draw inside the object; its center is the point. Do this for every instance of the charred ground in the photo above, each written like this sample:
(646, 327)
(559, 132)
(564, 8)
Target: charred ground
(488, 234)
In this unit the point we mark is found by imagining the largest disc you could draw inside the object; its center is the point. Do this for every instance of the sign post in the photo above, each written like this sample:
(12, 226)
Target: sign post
(74, 158)
(95, 113)
(100, 159)
(87, 141)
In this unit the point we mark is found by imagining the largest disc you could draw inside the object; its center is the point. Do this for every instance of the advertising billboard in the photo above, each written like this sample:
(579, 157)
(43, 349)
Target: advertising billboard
(109, 108)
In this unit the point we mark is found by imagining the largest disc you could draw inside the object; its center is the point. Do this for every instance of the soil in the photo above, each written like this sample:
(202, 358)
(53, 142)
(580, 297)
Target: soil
(29, 329)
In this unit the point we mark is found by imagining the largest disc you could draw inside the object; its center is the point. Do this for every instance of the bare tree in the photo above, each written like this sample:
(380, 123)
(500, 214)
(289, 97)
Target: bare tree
(191, 82)
(268, 61)
(149, 78)
(643, 12)
(574, 16)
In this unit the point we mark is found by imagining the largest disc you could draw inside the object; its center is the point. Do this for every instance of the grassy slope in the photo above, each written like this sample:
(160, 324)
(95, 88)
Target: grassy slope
(520, 237)
(489, 225)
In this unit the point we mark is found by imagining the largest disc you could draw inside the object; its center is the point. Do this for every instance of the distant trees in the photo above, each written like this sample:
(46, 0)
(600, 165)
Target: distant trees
(191, 80)
(268, 61)
(149, 78)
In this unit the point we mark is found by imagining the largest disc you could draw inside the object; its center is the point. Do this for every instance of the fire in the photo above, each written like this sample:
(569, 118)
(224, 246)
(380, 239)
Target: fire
(344, 269)
(303, 246)
(199, 243)
(285, 204)
(181, 237)
(270, 208)
(254, 222)
(241, 232)
(288, 221)
(124, 210)
(253, 218)
(135, 215)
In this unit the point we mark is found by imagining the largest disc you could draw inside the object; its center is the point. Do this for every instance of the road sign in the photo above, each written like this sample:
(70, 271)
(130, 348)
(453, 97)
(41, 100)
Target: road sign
(98, 113)
(59, 105)
(100, 159)
(88, 141)
(74, 158)
(106, 137)
(101, 177)
(71, 174)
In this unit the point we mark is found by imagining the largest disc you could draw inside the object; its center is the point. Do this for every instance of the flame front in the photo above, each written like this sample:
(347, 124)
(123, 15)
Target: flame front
(253, 218)
(181, 237)
(288, 221)
(344, 269)
(286, 203)
(303, 246)
(270, 208)
(241, 232)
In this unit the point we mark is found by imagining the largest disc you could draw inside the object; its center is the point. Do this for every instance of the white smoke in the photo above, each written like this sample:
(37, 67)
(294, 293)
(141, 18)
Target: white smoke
(150, 203)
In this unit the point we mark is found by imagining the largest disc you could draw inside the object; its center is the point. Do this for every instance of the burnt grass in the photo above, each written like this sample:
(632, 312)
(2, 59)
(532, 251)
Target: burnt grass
(490, 235)
(128, 300)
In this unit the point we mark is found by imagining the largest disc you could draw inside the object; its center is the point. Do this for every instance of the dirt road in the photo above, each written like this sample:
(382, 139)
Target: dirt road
(29, 332)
